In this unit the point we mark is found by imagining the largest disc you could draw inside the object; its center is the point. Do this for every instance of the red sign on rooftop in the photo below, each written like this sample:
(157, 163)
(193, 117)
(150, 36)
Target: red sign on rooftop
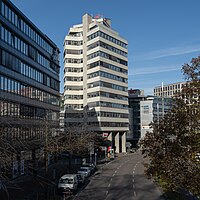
(97, 16)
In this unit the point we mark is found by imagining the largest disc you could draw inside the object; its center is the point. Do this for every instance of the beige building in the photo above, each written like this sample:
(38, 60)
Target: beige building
(96, 79)
(168, 90)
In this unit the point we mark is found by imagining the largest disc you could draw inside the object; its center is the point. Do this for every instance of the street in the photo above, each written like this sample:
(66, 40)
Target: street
(121, 179)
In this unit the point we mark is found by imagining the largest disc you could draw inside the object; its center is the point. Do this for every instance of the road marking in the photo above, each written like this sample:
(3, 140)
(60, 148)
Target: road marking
(107, 163)
(115, 171)
(106, 192)
(111, 180)
(133, 180)
(109, 185)
(113, 174)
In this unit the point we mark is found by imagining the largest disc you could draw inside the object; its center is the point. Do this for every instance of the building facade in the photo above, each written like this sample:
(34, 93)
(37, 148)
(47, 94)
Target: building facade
(29, 84)
(153, 109)
(169, 90)
(96, 79)
(144, 110)
(135, 96)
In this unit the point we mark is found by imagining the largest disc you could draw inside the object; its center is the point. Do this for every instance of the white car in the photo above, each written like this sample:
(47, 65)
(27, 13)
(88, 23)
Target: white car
(68, 182)
(91, 166)
(85, 171)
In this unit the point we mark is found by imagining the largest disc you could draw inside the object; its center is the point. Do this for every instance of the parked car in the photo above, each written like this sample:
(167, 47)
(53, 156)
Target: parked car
(85, 171)
(81, 179)
(68, 182)
(91, 166)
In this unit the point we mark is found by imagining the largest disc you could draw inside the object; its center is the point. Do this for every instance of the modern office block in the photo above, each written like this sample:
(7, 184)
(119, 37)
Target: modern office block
(168, 90)
(29, 85)
(96, 79)
(153, 109)
(135, 97)
(144, 110)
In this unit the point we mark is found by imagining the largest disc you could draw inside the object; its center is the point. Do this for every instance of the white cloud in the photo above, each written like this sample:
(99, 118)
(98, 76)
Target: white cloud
(161, 53)
(153, 70)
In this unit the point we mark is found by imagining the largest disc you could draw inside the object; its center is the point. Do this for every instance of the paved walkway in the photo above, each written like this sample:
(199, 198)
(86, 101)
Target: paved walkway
(30, 187)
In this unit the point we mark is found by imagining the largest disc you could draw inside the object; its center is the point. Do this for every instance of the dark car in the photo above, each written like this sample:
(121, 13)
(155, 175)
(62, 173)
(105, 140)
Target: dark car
(81, 179)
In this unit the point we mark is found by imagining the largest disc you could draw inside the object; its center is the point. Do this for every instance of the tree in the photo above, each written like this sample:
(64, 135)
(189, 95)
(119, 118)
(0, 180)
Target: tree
(173, 146)
(74, 140)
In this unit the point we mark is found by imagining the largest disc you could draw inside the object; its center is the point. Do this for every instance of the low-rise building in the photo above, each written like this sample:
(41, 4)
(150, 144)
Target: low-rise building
(142, 111)
(168, 90)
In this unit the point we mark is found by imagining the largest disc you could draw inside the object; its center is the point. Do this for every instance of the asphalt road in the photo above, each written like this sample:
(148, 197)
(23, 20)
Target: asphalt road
(121, 179)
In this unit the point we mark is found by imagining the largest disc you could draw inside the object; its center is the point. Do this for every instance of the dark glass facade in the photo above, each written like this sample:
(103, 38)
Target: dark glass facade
(134, 99)
(29, 80)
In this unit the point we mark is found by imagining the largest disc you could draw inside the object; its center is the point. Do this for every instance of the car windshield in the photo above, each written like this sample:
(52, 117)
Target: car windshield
(66, 180)
(86, 166)
(83, 169)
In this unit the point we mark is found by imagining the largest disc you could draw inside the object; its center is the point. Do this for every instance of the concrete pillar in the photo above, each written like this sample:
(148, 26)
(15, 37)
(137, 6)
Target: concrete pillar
(110, 136)
(124, 142)
(117, 142)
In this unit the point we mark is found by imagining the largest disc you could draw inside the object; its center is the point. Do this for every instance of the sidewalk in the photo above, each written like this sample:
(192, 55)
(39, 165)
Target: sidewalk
(30, 188)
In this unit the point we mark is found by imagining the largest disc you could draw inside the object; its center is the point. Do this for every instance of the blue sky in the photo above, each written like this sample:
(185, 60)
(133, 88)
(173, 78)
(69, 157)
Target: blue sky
(162, 34)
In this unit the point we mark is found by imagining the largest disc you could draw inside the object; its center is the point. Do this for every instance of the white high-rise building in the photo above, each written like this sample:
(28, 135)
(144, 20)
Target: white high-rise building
(96, 79)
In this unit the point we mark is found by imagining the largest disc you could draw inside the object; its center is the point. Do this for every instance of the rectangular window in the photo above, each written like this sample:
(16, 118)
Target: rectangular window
(6, 12)
(1, 82)
(2, 9)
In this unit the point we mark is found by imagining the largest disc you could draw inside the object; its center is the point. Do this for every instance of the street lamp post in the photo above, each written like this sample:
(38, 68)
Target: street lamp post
(86, 111)
(95, 159)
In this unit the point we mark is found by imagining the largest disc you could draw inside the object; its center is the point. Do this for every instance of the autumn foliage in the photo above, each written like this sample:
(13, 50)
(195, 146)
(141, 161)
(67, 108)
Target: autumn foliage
(174, 144)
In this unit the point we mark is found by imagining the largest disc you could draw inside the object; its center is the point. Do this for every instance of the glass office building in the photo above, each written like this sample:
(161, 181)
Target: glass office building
(29, 82)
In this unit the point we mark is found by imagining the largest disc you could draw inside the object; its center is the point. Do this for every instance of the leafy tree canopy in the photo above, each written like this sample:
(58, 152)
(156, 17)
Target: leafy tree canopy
(173, 146)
